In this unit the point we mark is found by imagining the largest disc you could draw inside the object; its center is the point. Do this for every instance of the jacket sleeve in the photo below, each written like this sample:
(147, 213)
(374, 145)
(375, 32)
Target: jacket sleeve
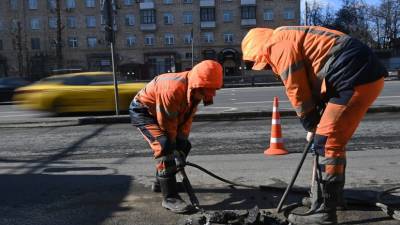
(184, 129)
(167, 108)
(288, 62)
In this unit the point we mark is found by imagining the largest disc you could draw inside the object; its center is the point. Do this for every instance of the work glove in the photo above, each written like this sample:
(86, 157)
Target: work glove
(312, 118)
(310, 135)
(180, 159)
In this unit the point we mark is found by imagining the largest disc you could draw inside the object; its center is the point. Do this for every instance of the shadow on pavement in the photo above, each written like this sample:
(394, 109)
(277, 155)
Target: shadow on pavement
(63, 199)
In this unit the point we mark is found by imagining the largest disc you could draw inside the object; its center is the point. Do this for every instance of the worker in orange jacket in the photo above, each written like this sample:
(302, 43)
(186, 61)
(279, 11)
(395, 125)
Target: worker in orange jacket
(163, 113)
(321, 69)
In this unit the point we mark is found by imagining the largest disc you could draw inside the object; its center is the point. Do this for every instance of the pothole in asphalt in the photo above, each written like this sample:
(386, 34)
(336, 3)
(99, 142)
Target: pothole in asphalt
(254, 216)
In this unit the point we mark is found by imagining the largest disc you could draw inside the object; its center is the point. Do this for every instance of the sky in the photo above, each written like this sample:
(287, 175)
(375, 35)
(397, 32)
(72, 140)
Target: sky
(337, 3)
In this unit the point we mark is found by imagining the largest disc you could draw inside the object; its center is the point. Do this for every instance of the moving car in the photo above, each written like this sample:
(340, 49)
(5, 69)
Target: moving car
(8, 85)
(76, 92)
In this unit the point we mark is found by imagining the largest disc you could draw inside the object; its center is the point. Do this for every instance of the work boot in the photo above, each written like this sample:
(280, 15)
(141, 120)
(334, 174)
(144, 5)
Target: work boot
(321, 216)
(171, 199)
(342, 205)
(323, 207)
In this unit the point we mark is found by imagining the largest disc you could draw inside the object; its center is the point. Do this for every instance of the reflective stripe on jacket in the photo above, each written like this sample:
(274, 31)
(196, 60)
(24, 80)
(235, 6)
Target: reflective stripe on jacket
(168, 97)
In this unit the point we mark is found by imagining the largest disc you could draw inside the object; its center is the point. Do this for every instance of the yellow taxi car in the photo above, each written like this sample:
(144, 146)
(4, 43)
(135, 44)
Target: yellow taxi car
(76, 92)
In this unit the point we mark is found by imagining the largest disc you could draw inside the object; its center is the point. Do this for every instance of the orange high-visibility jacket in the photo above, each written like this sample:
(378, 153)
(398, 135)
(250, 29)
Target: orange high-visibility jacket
(310, 61)
(168, 96)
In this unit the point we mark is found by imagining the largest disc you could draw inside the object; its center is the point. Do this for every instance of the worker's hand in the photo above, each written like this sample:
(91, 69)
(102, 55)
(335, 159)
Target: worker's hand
(310, 135)
(180, 158)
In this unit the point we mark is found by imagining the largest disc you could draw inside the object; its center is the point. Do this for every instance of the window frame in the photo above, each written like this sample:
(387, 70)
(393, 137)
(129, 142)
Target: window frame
(248, 12)
(147, 16)
(88, 22)
(227, 12)
(149, 37)
(35, 23)
(72, 42)
(90, 3)
(168, 18)
(130, 41)
(91, 40)
(130, 19)
(169, 39)
(33, 4)
(228, 36)
(207, 14)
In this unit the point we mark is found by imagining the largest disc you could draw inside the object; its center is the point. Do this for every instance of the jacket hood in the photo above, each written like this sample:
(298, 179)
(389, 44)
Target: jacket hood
(206, 74)
(253, 46)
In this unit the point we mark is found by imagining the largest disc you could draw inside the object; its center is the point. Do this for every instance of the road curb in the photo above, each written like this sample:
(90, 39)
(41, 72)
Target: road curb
(221, 116)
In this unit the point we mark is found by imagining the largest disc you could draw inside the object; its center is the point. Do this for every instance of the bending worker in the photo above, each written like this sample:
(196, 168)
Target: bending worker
(320, 68)
(163, 113)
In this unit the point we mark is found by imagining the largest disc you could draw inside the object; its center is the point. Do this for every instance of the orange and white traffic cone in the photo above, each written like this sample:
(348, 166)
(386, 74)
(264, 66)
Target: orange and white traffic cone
(276, 142)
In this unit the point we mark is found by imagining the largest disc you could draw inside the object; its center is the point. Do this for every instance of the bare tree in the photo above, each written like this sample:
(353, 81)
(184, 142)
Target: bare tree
(317, 14)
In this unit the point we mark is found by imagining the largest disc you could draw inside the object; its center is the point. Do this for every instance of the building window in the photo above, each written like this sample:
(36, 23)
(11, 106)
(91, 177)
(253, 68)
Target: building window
(1, 25)
(15, 24)
(130, 41)
(268, 14)
(53, 22)
(35, 24)
(228, 16)
(91, 42)
(52, 4)
(148, 16)
(35, 43)
(248, 12)
(71, 22)
(187, 39)
(149, 39)
(128, 2)
(187, 1)
(169, 39)
(188, 55)
(228, 37)
(14, 4)
(288, 14)
(33, 4)
(90, 3)
(129, 20)
(167, 1)
(207, 14)
(187, 17)
(70, 4)
(168, 18)
(208, 37)
(1, 44)
(90, 21)
(72, 42)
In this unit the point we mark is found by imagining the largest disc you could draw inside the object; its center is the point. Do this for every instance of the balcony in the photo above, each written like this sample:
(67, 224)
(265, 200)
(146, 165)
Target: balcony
(249, 22)
(147, 5)
(148, 27)
(207, 24)
(207, 3)
(247, 2)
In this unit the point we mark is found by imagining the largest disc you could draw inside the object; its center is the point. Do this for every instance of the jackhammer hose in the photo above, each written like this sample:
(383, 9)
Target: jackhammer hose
(395, 214)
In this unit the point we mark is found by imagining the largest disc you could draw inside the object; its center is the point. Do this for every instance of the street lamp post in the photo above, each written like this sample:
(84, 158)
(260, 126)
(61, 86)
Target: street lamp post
(108, 11)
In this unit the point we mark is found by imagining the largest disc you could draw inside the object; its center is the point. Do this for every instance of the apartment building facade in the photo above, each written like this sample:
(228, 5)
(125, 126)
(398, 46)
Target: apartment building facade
(152, 36)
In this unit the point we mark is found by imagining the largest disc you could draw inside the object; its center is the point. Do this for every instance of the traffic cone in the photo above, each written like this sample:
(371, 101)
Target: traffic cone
(276, 142)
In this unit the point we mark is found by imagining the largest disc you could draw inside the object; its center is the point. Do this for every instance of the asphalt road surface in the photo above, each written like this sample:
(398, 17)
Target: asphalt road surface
(248, 99)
